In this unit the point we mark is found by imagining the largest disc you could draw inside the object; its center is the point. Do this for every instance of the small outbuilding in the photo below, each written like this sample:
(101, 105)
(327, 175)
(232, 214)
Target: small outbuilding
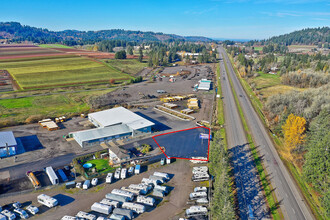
(8, 144)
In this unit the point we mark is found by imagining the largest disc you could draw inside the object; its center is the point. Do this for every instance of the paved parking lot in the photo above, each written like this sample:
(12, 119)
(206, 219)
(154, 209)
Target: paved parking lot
(184, 144)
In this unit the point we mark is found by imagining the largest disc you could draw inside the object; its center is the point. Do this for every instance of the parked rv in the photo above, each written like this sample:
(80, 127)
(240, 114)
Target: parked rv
(109, 202)
(124, 212)
(86, 184)
(47, 200)
(163, 175)
(200, 189)
(196, 211)
(22, 213)
(117, 173)
(197, 195)
(101, 208)
(146, 200)
(109, 177)
(137, 169)
(116, 197)
(8, 214)
(123, 173)
(52, 175)
(127, 194)
(17, 205)
(162, 161)
(94, 181)
(138, 208)
(117, 217)
(131, 171)
(32, 209)
(86, 215)
(67, 217)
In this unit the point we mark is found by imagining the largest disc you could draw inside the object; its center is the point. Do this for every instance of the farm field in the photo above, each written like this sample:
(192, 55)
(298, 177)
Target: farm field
(269, 84)
(57, 71)
(53, 46)
(18, 110)
(258, 48)
(130, 66)
(21, 51)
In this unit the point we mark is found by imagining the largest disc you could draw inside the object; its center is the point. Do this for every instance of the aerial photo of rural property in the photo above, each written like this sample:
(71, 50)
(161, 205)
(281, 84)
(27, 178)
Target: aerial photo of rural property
(177, 110)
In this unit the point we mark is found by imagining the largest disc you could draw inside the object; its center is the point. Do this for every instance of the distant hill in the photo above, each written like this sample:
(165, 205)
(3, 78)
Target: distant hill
(17, 32)
(308, 36)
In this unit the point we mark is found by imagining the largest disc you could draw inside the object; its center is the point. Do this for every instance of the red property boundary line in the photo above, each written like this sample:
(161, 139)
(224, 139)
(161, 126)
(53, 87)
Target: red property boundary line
(208, 147)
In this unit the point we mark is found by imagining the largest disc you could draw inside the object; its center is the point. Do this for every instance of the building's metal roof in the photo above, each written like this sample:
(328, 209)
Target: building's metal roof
(7, 137)
(99, 133)
(120, 115)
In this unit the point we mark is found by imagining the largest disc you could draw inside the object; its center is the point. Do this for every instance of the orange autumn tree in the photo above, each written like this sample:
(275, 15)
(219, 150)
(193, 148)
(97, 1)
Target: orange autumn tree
(294, 133)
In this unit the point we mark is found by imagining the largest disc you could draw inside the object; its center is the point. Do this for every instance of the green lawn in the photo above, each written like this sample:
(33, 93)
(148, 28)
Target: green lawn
(130, 66)
(53, 46)
(57, 71)
(50, 106)
(101, 165)
(258, 48)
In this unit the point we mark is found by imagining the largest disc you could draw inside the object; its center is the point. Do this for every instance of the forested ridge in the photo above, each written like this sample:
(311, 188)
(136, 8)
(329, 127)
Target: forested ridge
(307, 36)
(17, 32)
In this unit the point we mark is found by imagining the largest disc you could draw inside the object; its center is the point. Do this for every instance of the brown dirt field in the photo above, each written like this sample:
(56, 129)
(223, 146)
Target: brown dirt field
(17, 45)
(31, 55)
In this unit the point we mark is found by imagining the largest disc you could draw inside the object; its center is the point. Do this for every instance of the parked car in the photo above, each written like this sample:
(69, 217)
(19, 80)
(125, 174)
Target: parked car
(94, 181)
(32, 209)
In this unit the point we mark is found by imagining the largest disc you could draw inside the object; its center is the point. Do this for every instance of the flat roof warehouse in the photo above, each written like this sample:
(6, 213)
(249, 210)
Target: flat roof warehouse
(115, 123)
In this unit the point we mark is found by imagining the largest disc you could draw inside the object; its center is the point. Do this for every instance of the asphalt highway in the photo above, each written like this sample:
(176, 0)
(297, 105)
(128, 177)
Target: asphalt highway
(251, 201)
(287, 192)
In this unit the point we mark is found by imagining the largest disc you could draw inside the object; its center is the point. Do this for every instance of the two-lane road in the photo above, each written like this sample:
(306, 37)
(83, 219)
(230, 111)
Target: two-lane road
(287, 193)
(249, 192)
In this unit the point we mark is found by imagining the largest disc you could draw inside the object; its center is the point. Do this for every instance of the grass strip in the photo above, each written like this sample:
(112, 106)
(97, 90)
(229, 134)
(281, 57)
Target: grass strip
(270, 195)
(310, 196)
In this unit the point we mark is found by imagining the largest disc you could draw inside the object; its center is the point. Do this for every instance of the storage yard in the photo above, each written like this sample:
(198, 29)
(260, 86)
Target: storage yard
(169, 100)
(72, 201)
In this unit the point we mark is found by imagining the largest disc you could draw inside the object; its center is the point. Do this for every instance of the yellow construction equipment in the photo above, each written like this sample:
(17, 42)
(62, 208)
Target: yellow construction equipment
(193, 103)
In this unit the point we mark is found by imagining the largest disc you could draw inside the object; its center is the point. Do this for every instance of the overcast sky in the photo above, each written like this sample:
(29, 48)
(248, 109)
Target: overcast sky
(234, 19)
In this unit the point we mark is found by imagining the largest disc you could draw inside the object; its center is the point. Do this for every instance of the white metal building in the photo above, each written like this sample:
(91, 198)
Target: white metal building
(115, 123)
(8, 144)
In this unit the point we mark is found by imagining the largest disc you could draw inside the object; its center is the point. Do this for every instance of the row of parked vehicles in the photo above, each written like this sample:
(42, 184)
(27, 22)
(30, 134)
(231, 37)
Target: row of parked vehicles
(126, 202)
(199, 196)
(18, 211)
